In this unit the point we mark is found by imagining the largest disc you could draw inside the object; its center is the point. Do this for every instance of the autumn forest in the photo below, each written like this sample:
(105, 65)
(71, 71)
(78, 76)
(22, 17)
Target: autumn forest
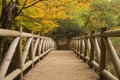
(47, 16)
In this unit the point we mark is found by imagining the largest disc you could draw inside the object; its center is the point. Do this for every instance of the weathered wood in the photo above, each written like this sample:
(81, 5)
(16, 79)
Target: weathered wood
(34, 50)
(46, 45)
(8, 57)
(86, 49)
(5, 32)
(103, 54)
(80, 48)
(25, 53)
(87, 59)
(112, 33)
(115, 59)
(13, 74)
(19, 58)
(79, 44)
(43, 48)
(83, 46)
(92, 47)
(24, 34)
(88, 46)
(41, 45)
(36, 58)
(35, 47)
(108, 75)
(31, 51)
(97, 49)
(96, 34)
(92, 50)
(27, 64)
(96, 65)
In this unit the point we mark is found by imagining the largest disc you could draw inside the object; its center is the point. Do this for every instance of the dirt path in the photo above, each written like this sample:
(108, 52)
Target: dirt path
(61, 65)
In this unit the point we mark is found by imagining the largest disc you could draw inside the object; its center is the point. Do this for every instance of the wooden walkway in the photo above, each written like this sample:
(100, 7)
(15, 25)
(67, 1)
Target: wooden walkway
(61, 65)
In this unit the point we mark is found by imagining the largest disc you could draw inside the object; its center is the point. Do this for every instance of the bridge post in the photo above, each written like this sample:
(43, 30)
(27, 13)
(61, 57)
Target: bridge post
(85, 51)
(103, 54)
(18, 56)
(81, 47)
(92, 49)
(38, 49)
(31, 51)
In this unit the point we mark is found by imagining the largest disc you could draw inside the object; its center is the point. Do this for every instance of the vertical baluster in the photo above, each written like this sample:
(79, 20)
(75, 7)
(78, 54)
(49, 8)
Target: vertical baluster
(78, 46)
(31, 51)
(85, 51)
(92, 50)
(38, 49)
(18, 55)
(103, 54)
(81, 47)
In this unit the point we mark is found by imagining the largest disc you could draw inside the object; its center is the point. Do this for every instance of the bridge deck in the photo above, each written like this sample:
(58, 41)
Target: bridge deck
(61, 65)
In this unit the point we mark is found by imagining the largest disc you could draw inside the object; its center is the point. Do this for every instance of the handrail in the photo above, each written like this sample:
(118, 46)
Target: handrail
(36, 48)
(87, 46)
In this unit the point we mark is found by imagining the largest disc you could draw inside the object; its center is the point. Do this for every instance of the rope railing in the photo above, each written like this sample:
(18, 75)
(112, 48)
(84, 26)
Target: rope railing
(95, 54)
(35, 48)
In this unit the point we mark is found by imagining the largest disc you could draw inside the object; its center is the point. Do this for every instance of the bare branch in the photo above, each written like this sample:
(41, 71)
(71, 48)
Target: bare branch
(22, 8)
(33, 4)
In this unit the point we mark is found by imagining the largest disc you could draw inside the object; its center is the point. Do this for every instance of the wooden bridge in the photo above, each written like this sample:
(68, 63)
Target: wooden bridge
(86, 59)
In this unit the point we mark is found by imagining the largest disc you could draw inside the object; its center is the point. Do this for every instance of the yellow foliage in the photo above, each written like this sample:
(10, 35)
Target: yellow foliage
(50, 10)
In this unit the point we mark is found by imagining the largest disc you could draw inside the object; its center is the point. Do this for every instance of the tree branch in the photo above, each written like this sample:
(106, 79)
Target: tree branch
(33, 4)
(22, 8)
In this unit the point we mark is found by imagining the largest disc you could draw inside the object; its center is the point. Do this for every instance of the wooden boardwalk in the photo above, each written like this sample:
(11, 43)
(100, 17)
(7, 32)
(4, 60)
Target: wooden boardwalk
(61, 65)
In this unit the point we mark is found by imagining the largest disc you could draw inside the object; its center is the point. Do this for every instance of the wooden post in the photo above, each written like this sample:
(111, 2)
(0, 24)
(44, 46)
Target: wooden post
(38, 46)
(18, 56)
(31, 51)
(85, 51)
(78, 51)
(103, 54)
(81, 47)
(92, 50)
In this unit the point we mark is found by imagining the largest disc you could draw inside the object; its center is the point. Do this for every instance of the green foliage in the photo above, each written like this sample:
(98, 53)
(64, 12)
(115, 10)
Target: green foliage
(86, 14)
(105, 13)
(67, 28)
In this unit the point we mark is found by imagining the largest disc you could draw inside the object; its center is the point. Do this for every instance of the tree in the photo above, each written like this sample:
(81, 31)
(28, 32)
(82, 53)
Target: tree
(10, 10)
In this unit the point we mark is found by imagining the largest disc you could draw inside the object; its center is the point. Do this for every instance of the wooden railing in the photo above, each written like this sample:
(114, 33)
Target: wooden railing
(95, 54)
(36, 48)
